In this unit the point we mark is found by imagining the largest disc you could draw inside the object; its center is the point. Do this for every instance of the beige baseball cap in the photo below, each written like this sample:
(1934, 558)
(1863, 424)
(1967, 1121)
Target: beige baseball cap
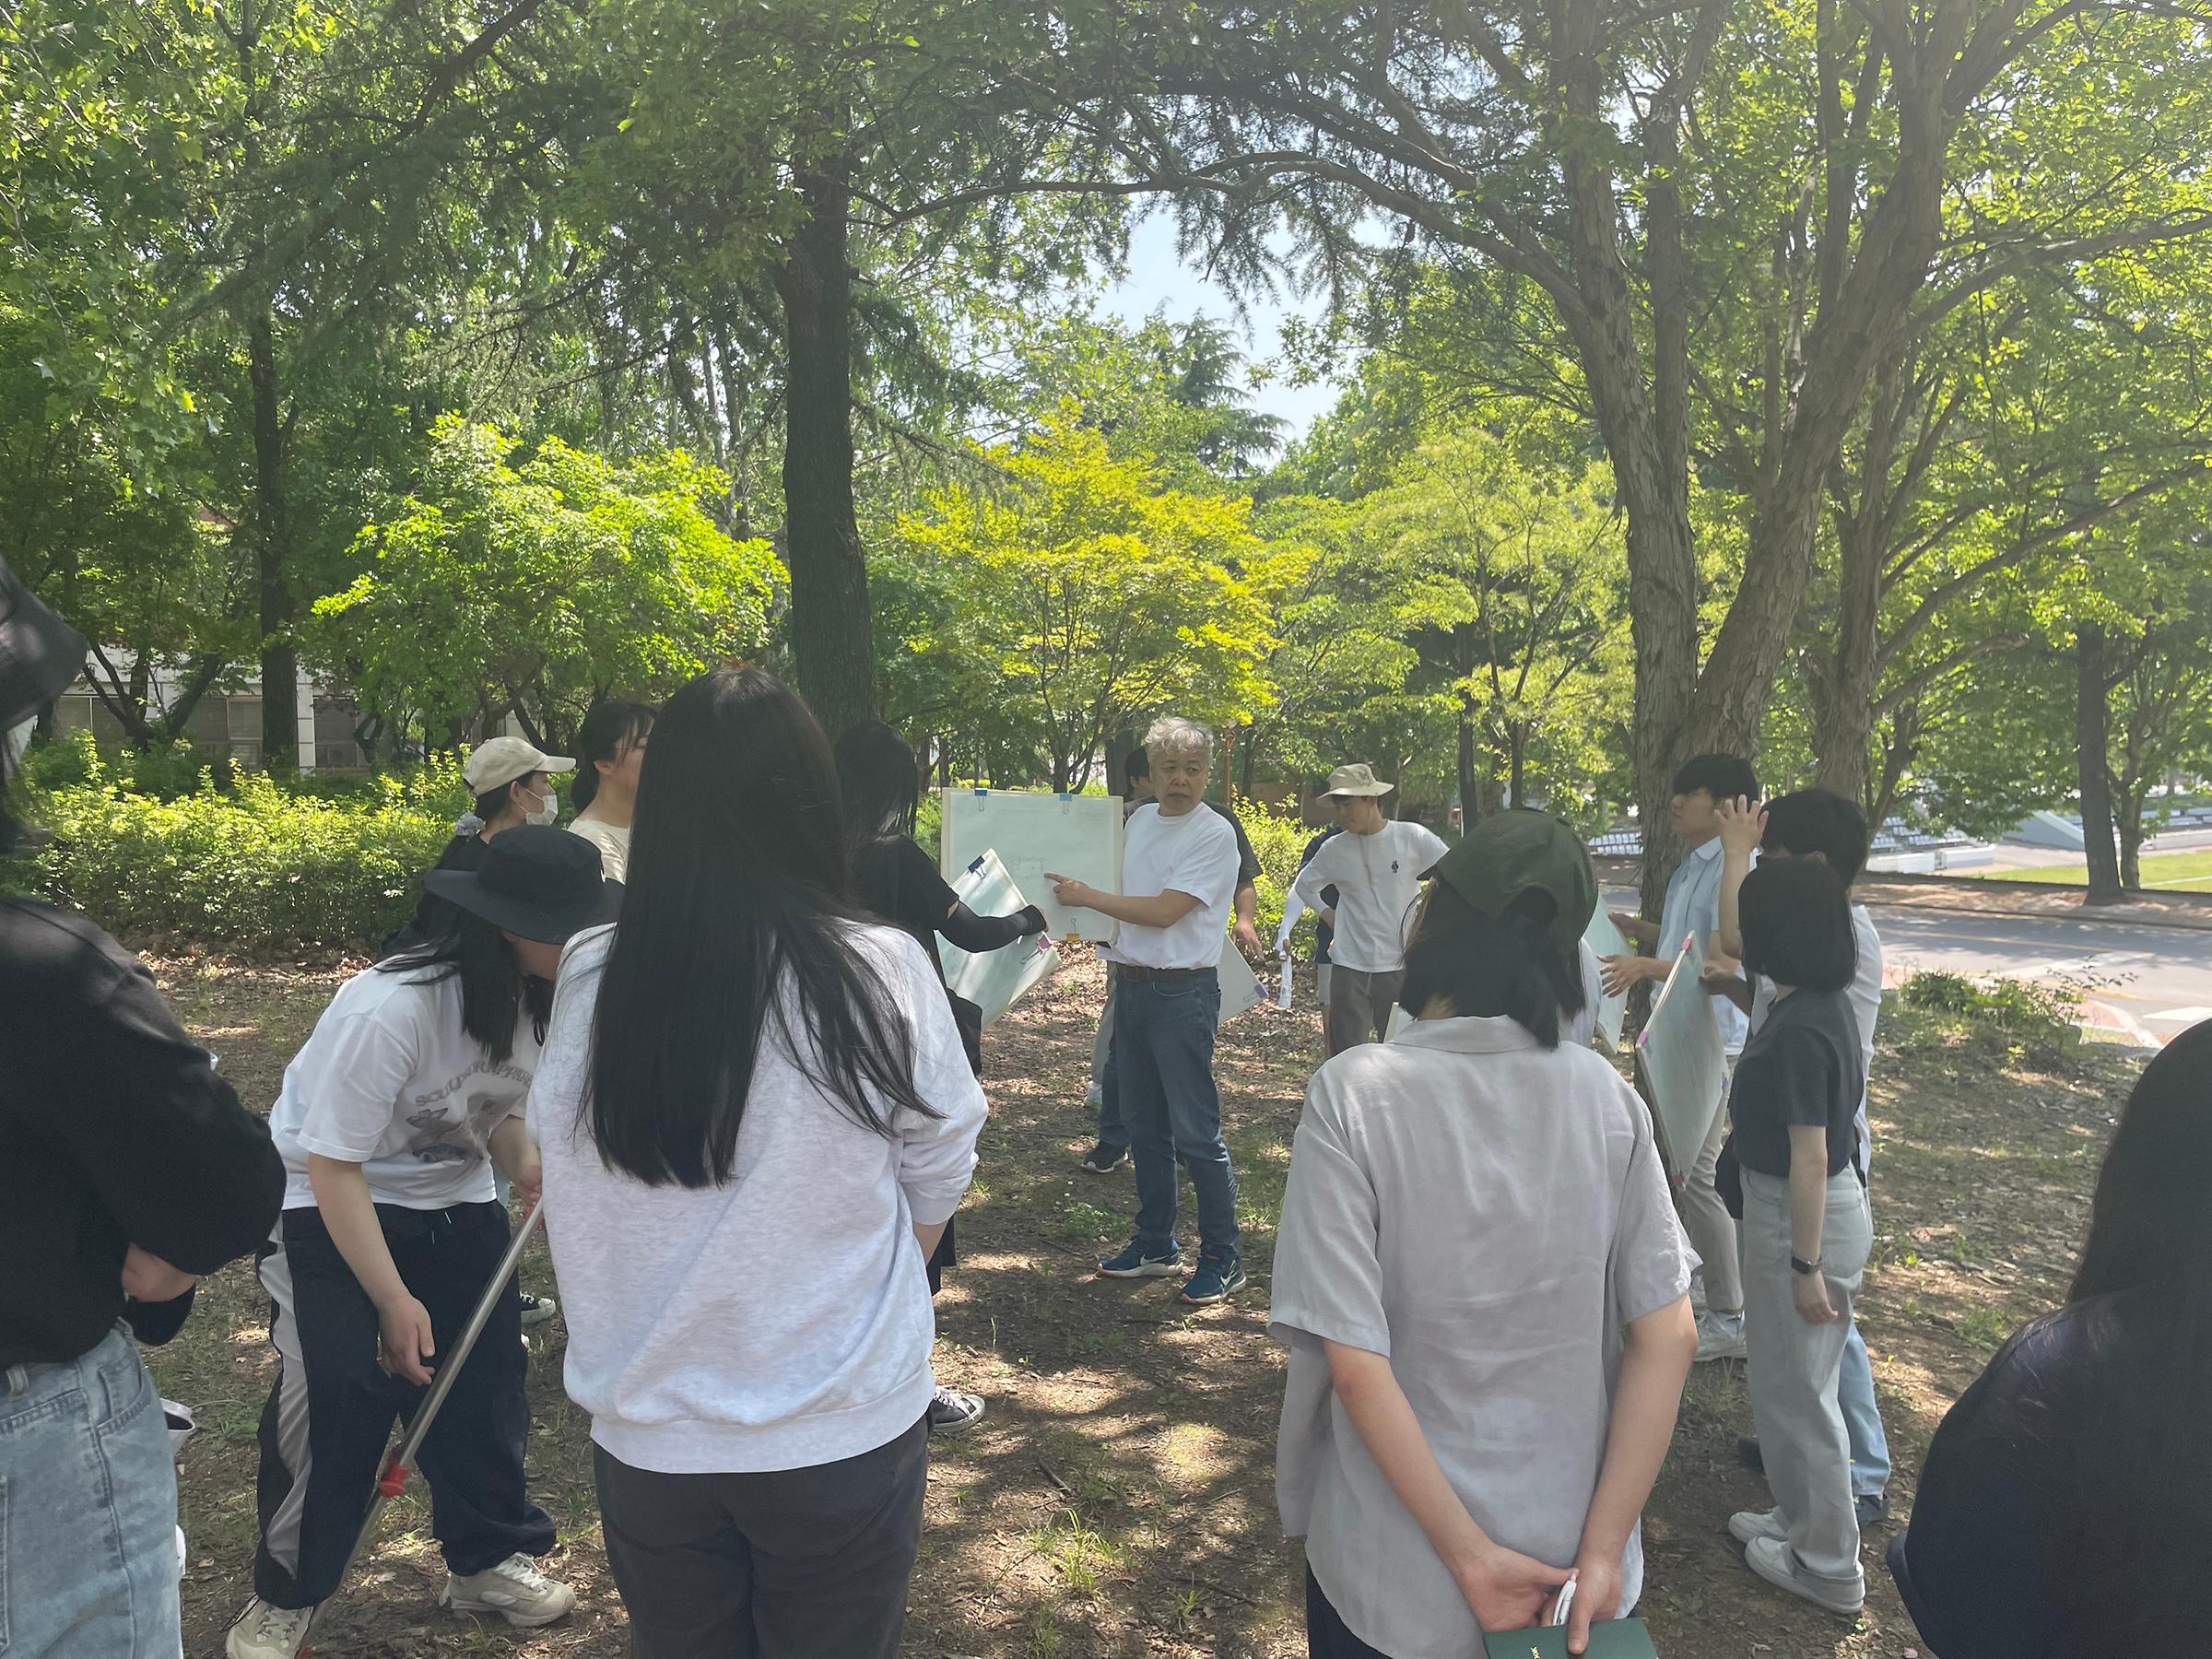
(1356, 778)
(498, 761)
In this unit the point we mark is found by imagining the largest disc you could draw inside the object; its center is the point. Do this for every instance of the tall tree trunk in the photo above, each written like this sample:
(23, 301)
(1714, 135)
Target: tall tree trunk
(1842, 687)
(833, 653)
(272, 549)
(2130, 824)
(2092, 738)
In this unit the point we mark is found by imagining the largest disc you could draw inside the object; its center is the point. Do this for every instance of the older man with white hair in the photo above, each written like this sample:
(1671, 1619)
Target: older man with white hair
(1179, 876)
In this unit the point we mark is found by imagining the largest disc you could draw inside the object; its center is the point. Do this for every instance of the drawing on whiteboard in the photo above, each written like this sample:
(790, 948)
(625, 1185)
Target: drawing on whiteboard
(1680, 1052)
(1032, 832)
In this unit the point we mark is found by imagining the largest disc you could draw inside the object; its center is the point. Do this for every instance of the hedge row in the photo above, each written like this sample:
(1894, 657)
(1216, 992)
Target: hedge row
(253, 867)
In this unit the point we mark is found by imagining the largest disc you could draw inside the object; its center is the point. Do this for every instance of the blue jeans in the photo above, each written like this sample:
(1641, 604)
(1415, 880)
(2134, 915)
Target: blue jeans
(1163, 1076)
(1861, 1420)
(88, 1510)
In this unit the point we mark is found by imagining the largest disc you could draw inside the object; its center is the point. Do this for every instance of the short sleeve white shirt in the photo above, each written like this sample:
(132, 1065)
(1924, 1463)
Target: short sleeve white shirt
(388, 1081)
(1424, 1220)
(1195, 853)
(1377, 878)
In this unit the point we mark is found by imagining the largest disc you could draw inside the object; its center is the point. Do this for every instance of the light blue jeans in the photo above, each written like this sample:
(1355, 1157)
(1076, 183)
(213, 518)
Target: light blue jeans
(1862, 1419)
(88, 1510)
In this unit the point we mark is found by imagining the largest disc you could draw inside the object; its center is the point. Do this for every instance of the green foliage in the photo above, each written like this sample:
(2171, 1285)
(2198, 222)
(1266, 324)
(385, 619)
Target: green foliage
(538, 587)
(255, 868)
(1277, 838)
(2036, 1022)
(1083, 595)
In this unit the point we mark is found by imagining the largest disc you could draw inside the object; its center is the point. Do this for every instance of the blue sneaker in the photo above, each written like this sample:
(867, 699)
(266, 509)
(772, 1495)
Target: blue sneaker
(1215, 1280)
(1132, 1263)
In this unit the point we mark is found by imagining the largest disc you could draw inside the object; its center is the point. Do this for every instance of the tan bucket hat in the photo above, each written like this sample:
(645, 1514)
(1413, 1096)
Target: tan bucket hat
(1356, 778)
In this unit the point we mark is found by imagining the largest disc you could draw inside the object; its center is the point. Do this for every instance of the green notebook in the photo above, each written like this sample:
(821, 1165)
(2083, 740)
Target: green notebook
(1612, 1638)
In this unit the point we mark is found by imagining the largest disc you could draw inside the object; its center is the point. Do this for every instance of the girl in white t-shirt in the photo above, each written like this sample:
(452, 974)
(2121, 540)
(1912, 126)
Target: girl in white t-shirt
(610, 751)
(390, 1121)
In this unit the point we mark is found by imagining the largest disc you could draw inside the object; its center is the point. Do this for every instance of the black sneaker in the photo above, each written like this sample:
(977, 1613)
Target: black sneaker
(1749, 1454)
(1105, 1158)
(536, 1309)
(951, 1412)
(1873, 1507)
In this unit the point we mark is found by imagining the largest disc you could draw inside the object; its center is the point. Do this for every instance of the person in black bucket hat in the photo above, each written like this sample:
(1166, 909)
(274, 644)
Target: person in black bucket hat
(127, 1169)
(389, 1123)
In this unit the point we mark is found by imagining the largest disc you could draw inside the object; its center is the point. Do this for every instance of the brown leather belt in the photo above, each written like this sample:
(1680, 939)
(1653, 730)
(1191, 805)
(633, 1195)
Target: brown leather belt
(1130, 971)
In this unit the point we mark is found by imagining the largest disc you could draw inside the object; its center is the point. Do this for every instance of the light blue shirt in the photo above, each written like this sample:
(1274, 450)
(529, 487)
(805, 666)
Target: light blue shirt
(1693, 906)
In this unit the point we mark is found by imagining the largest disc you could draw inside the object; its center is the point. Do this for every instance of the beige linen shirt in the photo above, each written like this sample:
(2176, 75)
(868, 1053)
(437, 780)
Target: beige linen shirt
(1489, 1214)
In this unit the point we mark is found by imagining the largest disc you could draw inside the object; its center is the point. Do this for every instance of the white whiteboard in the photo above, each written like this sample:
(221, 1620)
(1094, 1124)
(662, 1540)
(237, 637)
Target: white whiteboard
(995, 979)
(1033, 831)
(1679, 1050)
(1605, 939)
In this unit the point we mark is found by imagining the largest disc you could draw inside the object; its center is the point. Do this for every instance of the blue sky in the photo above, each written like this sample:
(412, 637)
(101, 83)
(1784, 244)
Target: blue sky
(1159, 281)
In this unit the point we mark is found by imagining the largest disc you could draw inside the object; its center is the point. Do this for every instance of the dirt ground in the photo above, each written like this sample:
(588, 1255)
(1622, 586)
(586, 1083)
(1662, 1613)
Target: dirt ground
(1117, 1499)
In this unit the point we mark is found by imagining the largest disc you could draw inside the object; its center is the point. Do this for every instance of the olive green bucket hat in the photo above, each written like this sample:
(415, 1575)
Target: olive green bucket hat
(1521, 850)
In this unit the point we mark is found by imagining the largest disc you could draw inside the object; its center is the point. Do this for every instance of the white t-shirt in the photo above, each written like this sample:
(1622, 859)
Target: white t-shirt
(613, 841)
(781, 1320)
(1426, 1220)
(388, 1081)
(1865, 993)
(1195, 853)
(1377, 878)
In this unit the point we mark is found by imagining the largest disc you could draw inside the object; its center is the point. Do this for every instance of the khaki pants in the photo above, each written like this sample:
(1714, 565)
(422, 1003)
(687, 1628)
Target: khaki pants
(1793, 1366)
(1706, 1219)
(1359, 1006)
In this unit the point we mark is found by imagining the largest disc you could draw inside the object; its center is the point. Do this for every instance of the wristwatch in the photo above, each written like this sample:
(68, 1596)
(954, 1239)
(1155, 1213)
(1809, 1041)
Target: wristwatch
(1799, 1265)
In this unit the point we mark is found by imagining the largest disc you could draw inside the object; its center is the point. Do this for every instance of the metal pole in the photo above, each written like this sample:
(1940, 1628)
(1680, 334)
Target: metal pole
(394, 1480)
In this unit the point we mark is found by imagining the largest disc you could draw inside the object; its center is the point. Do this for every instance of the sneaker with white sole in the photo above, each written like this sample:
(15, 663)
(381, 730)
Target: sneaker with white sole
(1774, 1560)
(1132, 1263)
(536, 1309)
(1720, 1336)
(265, 1632)
(952, 1412)
(515, 1590)
(1747, 1525)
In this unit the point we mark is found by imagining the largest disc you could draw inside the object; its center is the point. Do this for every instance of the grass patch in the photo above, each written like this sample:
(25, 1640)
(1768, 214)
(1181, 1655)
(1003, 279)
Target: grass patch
(2162, 872)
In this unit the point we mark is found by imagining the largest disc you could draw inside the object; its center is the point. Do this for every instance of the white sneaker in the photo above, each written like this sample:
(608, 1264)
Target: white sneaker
(1775, 1561)
(265, 1632)
(515, 1590)
(1747, 1525)
(1720, 1336)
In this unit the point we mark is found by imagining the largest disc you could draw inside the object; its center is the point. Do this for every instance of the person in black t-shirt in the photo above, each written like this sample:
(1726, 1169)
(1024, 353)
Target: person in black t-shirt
(127, 1169)
(881, 783)
(1806, 1227)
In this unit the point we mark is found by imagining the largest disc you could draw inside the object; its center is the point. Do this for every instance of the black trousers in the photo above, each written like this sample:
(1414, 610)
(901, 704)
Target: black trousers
(324, 1428)
(788, 1564)
(1327, 1636)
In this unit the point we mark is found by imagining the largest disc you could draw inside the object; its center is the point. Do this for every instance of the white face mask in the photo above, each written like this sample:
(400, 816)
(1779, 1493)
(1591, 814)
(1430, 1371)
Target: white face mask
(13, 742)
(544, 811)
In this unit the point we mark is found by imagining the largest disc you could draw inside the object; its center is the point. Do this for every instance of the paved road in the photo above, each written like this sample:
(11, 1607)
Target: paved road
(2145, 983)
(2148, 984)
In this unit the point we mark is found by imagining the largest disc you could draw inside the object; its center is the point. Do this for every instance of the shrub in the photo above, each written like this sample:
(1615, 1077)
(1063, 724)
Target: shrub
(252, 868)
(1277, 837)
(2039, 1022)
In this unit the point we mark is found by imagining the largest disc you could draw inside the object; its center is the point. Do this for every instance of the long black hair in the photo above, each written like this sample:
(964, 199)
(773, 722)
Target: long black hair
(495, 992)
(1486, 967)
(2153, 1211)
(611, 727)
(738, 903)
(880, 781)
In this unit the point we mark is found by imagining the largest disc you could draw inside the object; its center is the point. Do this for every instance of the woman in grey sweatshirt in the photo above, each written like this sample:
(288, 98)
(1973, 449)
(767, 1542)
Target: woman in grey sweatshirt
(756, 1118)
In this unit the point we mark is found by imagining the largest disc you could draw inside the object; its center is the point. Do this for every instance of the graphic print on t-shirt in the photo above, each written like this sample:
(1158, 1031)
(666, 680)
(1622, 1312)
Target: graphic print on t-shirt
(441, 1138)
